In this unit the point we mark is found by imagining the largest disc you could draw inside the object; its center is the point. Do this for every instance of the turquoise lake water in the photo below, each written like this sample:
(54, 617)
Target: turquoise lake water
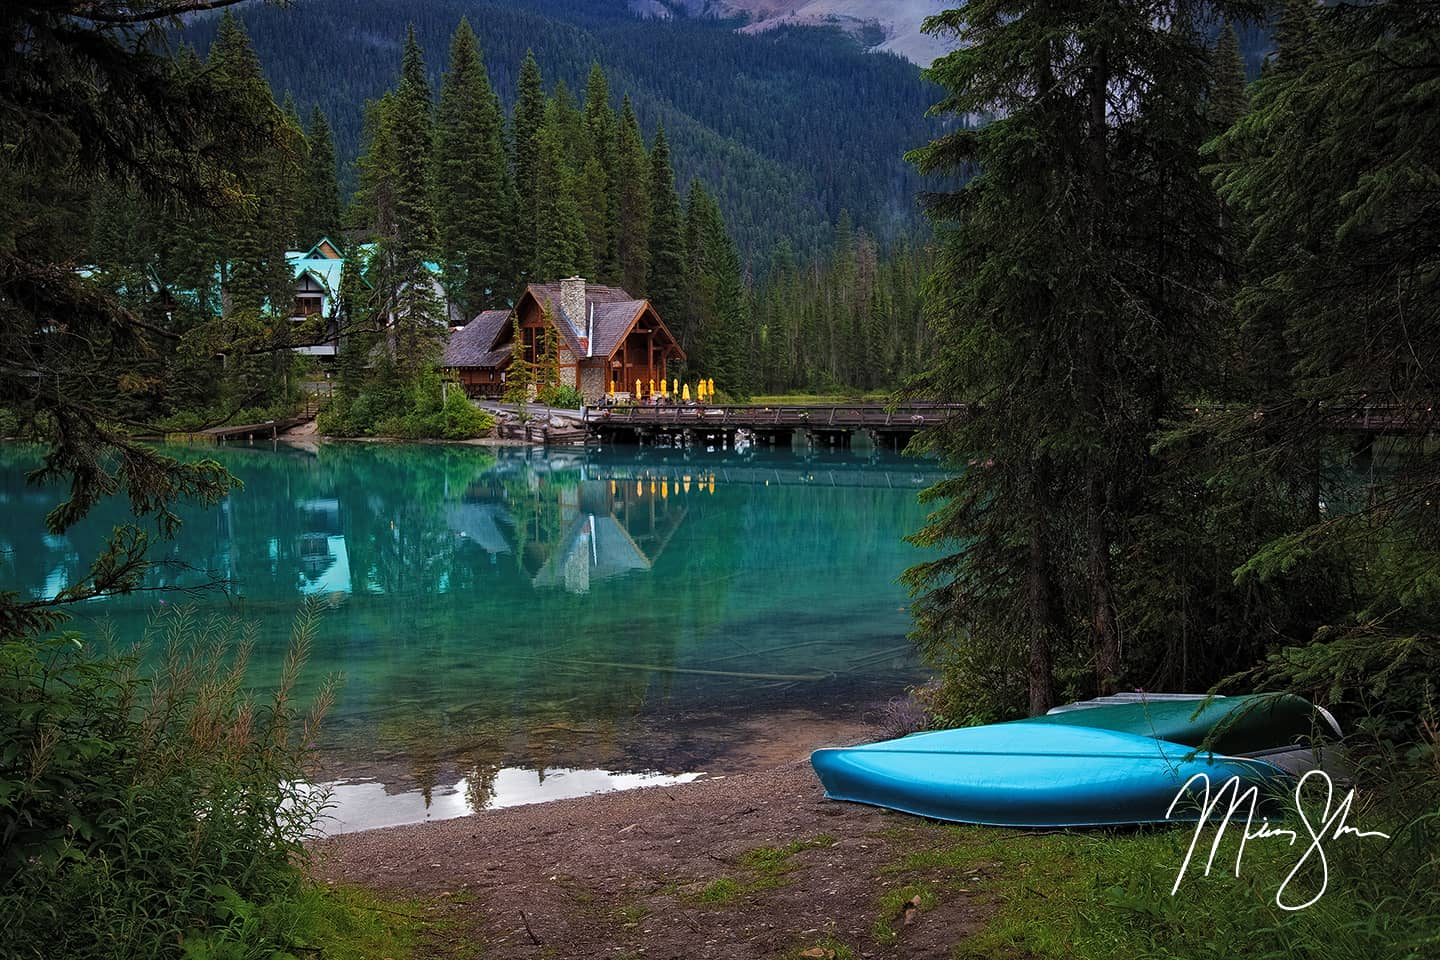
(512, 615)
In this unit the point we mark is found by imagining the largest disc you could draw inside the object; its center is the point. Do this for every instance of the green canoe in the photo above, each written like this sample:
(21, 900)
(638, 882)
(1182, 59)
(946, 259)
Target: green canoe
(1241, 726)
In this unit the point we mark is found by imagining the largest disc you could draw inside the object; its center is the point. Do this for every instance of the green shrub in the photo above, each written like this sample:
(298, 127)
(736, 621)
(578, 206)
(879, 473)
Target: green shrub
(561, 395)
(424, 412)
(9, 423)
(152, 815)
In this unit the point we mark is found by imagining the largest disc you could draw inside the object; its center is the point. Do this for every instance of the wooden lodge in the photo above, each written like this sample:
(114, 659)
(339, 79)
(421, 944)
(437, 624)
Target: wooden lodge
(605, 336)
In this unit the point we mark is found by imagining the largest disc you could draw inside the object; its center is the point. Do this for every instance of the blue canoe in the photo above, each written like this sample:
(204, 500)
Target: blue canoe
(1032, 775)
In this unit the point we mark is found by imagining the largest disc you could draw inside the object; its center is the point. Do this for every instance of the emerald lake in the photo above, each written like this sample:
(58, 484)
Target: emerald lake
(517, 624)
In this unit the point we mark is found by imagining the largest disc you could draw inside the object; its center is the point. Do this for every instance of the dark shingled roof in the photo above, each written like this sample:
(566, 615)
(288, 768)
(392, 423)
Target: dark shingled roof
(473, 345)
(611, 322)
(573, 328)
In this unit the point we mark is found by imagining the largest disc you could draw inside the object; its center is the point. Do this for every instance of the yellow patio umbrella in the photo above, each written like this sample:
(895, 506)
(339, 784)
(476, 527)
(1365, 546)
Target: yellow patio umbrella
(652, 388)
(639, 488)
(637, 389)
(700, 391)
(687, 393)
(710, 388)
(664, 489)
(712, 483)
(663, 394)
(612, 389)
(675, 386)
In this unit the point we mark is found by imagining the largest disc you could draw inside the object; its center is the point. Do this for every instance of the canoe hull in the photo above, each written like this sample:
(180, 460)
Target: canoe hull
(1020, 775)
(1233, 725)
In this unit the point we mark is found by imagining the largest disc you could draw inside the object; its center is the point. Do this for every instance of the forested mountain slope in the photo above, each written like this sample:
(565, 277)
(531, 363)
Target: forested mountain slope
(787, 128)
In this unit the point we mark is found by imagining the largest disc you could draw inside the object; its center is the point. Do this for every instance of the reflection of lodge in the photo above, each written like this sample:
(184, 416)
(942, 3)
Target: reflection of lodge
(324, 561)
(566, 530)
(618, 529)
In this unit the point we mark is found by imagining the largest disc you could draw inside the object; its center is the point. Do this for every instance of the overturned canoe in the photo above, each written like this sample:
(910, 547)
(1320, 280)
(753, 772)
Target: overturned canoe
(1232, 725)
(1026, 774)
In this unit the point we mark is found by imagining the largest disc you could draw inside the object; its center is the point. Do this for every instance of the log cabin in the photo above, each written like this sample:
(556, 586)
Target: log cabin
(606, 337)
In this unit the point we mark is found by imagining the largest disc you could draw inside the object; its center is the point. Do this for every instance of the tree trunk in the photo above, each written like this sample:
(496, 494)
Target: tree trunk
(1104, 630)
(1040, 668)
(1104, 633)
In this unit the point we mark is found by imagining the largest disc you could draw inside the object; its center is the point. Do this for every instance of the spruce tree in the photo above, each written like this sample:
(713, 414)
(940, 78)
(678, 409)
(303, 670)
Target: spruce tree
(562, 245)
(248, 245)
(685, 319)
(417, 315)
(632, 176)
(1057, 304)
(1296, 36)
(475, 202)
(529, 117)
(319, 212)
(716, 316)
(667, 239)
(1228, 100)
(600, 199)
(1332, 176)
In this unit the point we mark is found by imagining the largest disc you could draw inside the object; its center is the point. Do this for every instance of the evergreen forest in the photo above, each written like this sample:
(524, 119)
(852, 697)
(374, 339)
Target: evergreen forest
(1176, 266)
(785, 130)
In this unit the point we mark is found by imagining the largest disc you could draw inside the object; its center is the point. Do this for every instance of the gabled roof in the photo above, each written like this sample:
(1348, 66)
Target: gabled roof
(613, 321)
(323, 250)
(474, 345)
(325, 271)
(573, 328)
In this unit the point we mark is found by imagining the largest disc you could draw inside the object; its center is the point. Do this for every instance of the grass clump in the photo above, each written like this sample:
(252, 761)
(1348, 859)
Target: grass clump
(159, 813)
(828, 947)
(765, 867)
(721, 891)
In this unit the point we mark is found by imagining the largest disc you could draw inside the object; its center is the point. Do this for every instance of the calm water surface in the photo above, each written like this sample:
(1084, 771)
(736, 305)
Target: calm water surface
(504, 620)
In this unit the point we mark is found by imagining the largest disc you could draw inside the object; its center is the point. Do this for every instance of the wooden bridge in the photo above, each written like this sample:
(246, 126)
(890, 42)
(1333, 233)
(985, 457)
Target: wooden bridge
(830, 425)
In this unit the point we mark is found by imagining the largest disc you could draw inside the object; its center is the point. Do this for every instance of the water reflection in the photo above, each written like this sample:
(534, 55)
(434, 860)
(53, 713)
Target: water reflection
(577, 610)
(368, 804)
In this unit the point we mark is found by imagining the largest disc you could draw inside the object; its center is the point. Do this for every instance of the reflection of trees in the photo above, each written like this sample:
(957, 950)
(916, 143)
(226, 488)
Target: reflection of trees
(505, 609)
(393, 507)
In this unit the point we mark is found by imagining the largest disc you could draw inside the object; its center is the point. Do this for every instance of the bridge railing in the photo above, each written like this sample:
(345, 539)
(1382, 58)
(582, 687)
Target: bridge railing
(820, 417)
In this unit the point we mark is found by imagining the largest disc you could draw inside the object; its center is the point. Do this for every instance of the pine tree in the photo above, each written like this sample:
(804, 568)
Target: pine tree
(684, 320)
(667, 253)
(600, 200)
(529, 118)
(1296, 36)
(632, 177)
(248, 245)
(716, 315)
(417, 316)
(475, 201)
(562, 245)
(319, 211)
(1057, 304)
(1332, 177)
(1228, 100)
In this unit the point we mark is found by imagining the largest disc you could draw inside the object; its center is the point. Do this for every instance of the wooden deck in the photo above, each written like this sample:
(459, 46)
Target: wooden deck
(860, 416)
(249, 432)
(880, 420)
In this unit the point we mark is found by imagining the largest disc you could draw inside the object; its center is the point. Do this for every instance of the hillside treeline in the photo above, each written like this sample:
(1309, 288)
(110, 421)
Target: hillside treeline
(785, 129)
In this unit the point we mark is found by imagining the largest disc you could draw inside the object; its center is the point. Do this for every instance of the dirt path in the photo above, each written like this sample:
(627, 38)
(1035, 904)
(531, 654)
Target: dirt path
(745, 866)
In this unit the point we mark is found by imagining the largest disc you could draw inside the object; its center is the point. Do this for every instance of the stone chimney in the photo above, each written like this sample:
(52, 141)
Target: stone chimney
(572, 301)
